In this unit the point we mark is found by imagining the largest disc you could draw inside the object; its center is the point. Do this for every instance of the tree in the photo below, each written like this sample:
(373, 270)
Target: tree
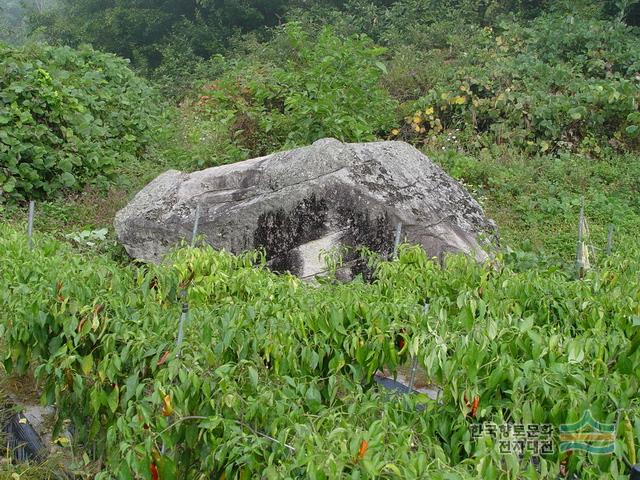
(140, 29)
(13, 18)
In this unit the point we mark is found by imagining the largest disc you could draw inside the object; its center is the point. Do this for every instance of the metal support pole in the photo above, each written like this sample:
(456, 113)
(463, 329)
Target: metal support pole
(396, 243)
(412, 376)
(414, 361)
(580, 248)
(184, 316)
(610, 239)
(183, 319)
(32, 210)
(195, 226)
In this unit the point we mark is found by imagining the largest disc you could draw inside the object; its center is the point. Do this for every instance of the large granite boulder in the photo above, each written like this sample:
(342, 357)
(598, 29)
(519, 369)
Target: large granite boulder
(300, 203)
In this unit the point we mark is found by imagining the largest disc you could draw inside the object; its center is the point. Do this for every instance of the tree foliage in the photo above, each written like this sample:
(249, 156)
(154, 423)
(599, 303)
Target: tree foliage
(13, 17)
(141, 29)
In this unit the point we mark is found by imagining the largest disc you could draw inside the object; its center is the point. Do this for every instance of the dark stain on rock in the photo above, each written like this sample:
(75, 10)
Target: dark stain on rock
(290, 261)
(280, 231)
(377, 233)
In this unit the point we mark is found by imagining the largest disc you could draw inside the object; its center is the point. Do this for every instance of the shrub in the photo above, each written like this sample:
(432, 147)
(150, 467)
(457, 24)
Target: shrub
(330, 87)
(530, 86)
(323, 86)
(68, 118)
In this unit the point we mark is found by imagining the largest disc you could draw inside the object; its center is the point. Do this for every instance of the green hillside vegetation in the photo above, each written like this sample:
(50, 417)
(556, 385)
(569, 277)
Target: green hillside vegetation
(531, 104)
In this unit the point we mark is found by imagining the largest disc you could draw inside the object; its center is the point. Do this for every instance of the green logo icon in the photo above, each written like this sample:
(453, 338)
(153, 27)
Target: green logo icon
(589, 435)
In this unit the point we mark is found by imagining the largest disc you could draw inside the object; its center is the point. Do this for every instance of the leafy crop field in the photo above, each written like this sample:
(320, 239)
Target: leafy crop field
(274, 378)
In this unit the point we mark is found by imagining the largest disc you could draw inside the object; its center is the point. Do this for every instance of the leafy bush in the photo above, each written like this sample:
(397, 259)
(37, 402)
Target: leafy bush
(557, 84)
(330, 88)
(68, 118)
(566, 80)
(323, 86)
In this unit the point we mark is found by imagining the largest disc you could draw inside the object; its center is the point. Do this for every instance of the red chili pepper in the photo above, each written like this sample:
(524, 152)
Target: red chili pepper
(474, 407)
(163, 358)
(81, 324)
(363, 449)
(154, 471)
(400, 343)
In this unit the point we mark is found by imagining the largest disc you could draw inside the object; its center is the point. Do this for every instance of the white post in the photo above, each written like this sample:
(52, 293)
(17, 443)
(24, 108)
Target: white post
(32, 209)
(396, 243)
(414, 364)
(195, 226)
(580, 248)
